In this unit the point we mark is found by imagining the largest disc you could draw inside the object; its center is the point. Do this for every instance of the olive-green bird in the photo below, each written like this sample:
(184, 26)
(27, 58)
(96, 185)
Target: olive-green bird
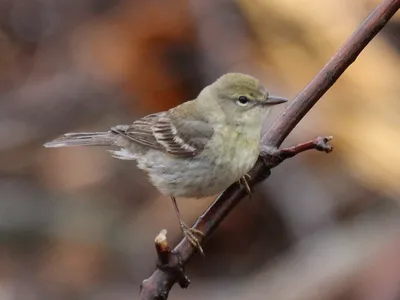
(195, 149)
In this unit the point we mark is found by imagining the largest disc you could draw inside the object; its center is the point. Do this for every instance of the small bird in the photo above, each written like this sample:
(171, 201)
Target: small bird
(196, 149)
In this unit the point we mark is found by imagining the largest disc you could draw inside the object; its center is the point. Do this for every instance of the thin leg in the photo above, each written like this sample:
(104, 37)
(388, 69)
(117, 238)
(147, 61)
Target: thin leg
(243, 181)
(189, 233)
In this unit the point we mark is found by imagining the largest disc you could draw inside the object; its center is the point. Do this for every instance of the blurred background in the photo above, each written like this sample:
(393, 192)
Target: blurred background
(78, 224)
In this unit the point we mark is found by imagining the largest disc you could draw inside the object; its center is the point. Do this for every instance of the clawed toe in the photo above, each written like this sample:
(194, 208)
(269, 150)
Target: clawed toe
(190, 234)
(243, 181)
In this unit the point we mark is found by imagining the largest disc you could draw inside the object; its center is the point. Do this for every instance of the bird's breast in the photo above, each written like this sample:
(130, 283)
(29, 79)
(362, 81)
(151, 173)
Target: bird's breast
(230, 154)
(236, 149)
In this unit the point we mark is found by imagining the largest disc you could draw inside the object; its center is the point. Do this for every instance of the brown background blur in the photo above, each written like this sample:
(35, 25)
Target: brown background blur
(78, 224)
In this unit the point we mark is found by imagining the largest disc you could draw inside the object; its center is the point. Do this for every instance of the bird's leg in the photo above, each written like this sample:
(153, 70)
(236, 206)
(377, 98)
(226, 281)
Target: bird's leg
(244, 181)
(188, 232)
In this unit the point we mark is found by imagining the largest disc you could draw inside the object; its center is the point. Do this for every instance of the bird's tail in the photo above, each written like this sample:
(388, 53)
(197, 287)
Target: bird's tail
(82, 139)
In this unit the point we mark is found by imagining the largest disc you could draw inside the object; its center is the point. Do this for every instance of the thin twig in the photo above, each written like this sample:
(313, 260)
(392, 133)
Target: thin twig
(273, 156)
(328, 75)
(158, 285)
(162, 248)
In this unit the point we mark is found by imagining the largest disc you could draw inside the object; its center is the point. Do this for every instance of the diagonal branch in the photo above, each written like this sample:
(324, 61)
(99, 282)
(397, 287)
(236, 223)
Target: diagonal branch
(158, 285)
(328, 75)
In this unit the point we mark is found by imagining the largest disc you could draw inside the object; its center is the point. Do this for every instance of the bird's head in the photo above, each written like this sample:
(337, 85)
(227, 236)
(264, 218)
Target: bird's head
(241, 97)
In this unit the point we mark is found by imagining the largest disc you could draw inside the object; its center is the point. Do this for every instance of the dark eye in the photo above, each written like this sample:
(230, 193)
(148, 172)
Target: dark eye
(243, 100)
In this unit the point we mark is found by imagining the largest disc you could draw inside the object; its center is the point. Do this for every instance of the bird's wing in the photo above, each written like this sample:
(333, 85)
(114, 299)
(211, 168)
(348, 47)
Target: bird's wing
(182, 136)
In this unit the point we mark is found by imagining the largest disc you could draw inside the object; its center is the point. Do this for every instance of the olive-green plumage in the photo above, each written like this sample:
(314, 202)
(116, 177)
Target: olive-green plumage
(198, 148)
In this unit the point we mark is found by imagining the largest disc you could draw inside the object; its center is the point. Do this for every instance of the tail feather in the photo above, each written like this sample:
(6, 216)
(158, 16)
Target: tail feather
(82, 139)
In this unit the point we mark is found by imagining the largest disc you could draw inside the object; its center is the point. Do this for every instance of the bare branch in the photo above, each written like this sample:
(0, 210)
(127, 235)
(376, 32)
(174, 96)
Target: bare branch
(273, 156)
(168, 263)
(158, 285)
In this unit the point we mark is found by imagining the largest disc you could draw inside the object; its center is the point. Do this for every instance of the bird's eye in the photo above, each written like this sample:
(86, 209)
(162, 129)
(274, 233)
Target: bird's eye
(243, 101)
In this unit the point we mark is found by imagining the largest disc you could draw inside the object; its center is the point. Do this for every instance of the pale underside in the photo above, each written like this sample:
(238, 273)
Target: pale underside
(182, 162)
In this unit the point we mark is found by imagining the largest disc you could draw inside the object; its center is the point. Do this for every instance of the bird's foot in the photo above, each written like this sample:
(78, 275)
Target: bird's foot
(190, 234)
(244, 182)
(247, 176)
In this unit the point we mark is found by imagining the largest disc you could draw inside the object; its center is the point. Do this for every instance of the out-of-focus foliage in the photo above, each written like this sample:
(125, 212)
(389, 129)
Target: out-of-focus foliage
(362, 109)
(77, 224)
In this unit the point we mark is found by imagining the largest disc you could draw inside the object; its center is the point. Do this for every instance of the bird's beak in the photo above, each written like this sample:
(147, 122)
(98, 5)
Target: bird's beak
(274, 100)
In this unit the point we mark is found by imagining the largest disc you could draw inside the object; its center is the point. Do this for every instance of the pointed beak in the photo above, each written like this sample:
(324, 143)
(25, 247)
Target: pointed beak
(274, 100)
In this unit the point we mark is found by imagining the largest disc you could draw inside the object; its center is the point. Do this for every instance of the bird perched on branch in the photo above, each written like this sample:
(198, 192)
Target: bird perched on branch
(196, 149)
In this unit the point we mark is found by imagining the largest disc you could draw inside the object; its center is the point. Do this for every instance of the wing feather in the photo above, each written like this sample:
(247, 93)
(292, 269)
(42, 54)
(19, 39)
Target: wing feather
(179, 137)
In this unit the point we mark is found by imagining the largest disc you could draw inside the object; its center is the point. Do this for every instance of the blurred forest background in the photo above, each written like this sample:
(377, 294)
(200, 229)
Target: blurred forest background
(78, 224)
